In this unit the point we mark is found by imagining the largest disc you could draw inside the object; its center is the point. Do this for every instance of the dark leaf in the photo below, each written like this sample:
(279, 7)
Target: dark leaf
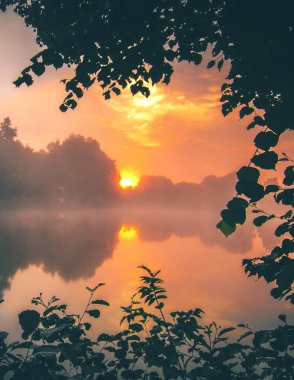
(197, 59)
(261, 337)
(260, 220)
(234, 216)
(226, 330)
(259, 120)
(63, 108)
(237, 203)
(246, 111)
(243, 336)
(289, 176)
(3, 335)
(252, 190)
(104, 338)
(71, 103)
(38, 68)
(248, 174)
(100, 302)
(266, 140)
(27, 344)
(93, 313)
(282, 229)
(282, 317)
(46, 350)
(271, 189)
(87, 325)
(226, 108)
(266, 160)
(29, 320)
(137, 327)
(276, 292)
(286, 197)
(220, 64)
(210, 64)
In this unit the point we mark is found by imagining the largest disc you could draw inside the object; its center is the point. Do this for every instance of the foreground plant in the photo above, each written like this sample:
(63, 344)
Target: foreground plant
(153, 345)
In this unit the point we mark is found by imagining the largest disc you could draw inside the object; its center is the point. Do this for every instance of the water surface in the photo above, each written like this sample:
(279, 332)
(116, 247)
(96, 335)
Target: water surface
(61, 252)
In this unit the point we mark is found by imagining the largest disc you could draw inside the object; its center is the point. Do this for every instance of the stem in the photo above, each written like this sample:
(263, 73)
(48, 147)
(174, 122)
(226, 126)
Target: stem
(102, 348)
(170, 337)
(27, 353)
(86, 308)
(266, 213)
(146, 329)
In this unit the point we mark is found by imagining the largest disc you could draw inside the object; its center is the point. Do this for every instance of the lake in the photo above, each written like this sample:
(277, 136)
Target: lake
(61, 252)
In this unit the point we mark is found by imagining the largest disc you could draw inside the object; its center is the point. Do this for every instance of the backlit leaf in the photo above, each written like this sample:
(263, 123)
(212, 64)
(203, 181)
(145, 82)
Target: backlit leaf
(225, 228)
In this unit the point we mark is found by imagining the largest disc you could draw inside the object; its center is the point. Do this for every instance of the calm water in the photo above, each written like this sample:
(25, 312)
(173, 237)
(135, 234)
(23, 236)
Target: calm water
(59, 253)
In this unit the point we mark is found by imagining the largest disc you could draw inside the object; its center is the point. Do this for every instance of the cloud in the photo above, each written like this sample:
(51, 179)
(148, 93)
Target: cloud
(142, 116)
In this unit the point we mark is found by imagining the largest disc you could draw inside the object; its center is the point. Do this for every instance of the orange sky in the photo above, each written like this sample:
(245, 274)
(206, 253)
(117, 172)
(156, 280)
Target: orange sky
(179, 132)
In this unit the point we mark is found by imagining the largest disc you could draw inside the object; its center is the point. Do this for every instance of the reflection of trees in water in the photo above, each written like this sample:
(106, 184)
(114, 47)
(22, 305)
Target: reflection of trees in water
(161, 225)
(74, 244)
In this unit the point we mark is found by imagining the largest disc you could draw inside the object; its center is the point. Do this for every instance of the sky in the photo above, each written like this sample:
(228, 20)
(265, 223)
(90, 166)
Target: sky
(178, 132)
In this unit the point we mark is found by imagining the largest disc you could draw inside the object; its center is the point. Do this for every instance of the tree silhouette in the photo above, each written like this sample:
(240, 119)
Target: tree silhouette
(69, 174)
(129, 43)
(7, 132)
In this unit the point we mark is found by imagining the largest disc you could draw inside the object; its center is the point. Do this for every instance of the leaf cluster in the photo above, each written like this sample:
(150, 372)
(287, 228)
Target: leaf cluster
(152, 346)
(277, 266)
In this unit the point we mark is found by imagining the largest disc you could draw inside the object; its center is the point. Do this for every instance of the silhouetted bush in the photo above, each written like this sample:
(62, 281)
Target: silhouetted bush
(153, 345)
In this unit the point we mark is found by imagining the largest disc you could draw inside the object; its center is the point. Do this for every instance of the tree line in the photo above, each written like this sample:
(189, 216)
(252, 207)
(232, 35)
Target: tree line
(73, 172)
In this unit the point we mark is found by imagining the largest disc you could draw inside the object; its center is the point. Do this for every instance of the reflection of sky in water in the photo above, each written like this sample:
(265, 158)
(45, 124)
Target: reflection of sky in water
(60, 254)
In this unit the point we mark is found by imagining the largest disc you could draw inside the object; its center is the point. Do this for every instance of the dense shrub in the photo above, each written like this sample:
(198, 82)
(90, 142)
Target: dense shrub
(152, 345)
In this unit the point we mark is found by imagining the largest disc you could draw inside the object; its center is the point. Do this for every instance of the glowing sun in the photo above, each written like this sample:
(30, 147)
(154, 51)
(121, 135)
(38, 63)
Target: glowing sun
(127, 233)
(128, 179)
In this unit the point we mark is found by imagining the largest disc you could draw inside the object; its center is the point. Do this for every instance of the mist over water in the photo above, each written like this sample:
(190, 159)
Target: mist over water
(62, 251)
(65, 223)
(73, 243)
